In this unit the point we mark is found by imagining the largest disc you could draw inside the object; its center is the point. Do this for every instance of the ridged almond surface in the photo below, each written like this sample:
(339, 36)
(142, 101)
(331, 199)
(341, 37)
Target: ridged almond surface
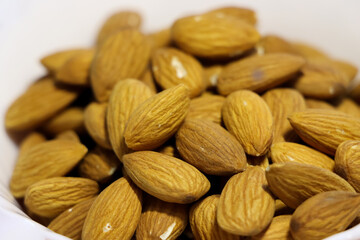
(38, 103)
(55, 61)
(125, 98)
(247, 116)
(324, 215)
(167, 178)
(123, 55)
(350, 107)
(283, 102)
(49, 159)
(275, 44)
(162, 220)
(210, 148)
(157, 119)
(325, 129)
(30, 141)
(249, 209)
(315, 103)
(259, 73)
(115, 212)
(52, 196)
(71, 221)
(70, 119)
(203, 221)
(347, 162)
(172, 67)
(212, 36)
(206, 108)
(211, 75)
(95, 123)
(292, 152)
(244, 14)
(295, 182)
(279, 229)
(69, 135)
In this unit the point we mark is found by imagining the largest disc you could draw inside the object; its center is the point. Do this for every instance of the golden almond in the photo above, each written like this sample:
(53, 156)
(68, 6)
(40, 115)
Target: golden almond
(347, 68)
(309, 52)
(314, 103)
(247, 116)
(279, 229)
(55, 61)
(275, 44)
(159, 39)
(350, 107)
(206, 107)
(211, 75)
(148, 78)
(244, 14)
(31, 140)
(164, 177)
(69, 135)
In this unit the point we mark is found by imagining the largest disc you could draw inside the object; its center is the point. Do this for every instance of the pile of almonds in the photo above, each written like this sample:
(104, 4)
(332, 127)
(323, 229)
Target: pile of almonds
(208, 123)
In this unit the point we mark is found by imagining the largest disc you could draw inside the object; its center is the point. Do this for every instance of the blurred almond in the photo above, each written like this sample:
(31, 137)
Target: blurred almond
(347, 68)
(309, 52)
(275, 44)
(279, 229)
(69, 135)
(159, 39)
(244, 14)
(55, 61)
(148, 78)
(355, 93)
(314, 103)
(350, 107)
(206, 108)
(211, 75)
(30, 141)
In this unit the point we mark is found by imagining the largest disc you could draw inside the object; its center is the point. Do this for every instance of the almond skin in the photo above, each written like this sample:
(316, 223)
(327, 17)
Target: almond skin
(172, 67)
(259, 73)
(30, 141)
(167, 178)
(293, 152)
(157, 119)
(148, 78)
(69, 135)
(275, 44)
(52, 196)
(347, 162)
(279, 229)
(324, 215)
(162, 220)
(123, 55)
(350, 107)
(248, 118)
(210, 148)
(55, 61)
(159, 39)
(314, 103)
(125, 98)
(309, 52)
(324, 130)
(295, 182)
(244, 14)
(203, 220)
(206, 108)
(229, 36)
(49, 159)
(115, 212)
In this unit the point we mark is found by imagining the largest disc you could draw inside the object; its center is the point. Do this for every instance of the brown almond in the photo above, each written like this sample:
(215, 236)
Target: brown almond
(279, 229)
(31, 140)
(70, 119)
(315, 103)
(350, 107)
(206, 107)
(275, 44)
(55, 61)
(244, 14)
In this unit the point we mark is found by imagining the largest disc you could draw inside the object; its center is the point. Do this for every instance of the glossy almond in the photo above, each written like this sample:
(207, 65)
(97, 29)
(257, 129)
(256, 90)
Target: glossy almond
(246, 210)
(275, 44)
(259, 73)
(206, 108)
(244, 14)
(157, 119)
(70, 119)
(167, 178)
(55, 61)
(279, 229)
(210, 148)
(115, 212)
(295, 182)
(247, 116)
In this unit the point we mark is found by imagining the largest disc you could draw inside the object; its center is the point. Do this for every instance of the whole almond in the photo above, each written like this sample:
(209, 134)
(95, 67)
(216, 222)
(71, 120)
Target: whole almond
(123, 55)
(295, 182)
(324, 130)
(30, 141)
(125, 98)
(259, 73)
(167, 178)
(229, 36)
(347, 162)
(172, 67)
(162, 220)
(279, 229)
(203, 220)
(315, 103)
(210, 148)
(49, 159)
(350, 107)
(157, 119)
(249, 209)
(283, 102)
(115, 212)
(52, 196)
(69, 135)
(275, 44)
(324, 215)
(40, 102)
(71, 221)
(55, 61)
(206, 107)
(244, 14)
(293, 152)
(247, 116)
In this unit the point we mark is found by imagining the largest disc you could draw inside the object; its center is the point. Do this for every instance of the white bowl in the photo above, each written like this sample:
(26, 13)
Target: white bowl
(30, 29)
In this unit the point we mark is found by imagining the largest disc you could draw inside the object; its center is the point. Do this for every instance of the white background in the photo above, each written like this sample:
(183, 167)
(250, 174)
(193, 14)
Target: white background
(29, 29)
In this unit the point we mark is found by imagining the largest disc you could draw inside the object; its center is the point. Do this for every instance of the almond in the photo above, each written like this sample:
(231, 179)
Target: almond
(206, 107)
(248, 118)
(157, 119)
(247, 210)
(165, 177)
(244, 14)
(203, 220)
(229, 36)
(279, 229)
(123, 55)
(115, 212)
(275, 44)
(259, 73)
(348, 106)
(325, 129)
(309, 52)
(49, 159)
(295, 182)
(31, 140)
(347, 162)
(159, 39)
(324, 215)
(211, 75)
(314, 103)
(293, 152)
(210, 148)
(69, 135)
(55, 61)
(162, 220)
(347, 68)
(52, 196)
(148, 78)
(172, 67)
(283, 102)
